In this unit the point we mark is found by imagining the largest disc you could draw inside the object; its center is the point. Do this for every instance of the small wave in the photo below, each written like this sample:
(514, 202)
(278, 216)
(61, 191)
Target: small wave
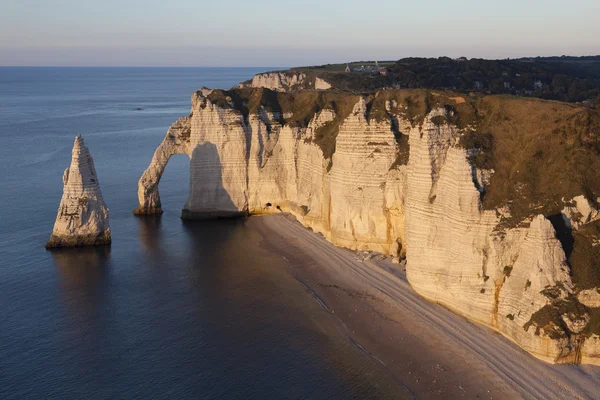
(43, 157)
(88, 113)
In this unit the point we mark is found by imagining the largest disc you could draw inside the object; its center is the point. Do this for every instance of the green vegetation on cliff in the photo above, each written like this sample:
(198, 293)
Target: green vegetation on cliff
(569, 79)
(541, 152)
(295, 109)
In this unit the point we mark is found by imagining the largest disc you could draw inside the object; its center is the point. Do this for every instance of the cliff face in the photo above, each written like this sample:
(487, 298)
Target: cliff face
(414, 173)
(458, 257)
(284, 81)
(82, 217)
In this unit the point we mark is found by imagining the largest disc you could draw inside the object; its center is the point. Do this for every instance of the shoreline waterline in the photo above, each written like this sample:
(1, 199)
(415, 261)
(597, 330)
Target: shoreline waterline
(426, 347)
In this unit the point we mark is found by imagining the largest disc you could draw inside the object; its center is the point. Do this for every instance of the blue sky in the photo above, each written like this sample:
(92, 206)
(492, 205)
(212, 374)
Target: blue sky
(286, 33)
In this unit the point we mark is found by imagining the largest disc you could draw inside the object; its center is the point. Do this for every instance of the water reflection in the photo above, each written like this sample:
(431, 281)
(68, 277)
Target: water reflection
(82, 267)
(226, 253)
(268, 328)
(150, 233)
(85, 292)
(210, 251)
(239, 282)
(84, 278)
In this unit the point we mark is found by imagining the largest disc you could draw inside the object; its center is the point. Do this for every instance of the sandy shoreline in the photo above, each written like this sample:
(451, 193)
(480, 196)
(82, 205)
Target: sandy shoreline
(432, 352)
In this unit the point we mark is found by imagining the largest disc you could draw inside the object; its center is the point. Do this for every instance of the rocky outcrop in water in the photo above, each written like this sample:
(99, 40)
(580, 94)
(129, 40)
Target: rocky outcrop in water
(483, 197)
(177, 141)
(82, 218)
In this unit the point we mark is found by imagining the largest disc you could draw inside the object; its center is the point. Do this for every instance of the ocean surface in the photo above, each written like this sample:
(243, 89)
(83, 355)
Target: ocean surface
(172, 309)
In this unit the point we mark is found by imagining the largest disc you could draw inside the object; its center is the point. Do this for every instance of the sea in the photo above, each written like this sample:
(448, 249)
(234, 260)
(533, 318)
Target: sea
(173, 309)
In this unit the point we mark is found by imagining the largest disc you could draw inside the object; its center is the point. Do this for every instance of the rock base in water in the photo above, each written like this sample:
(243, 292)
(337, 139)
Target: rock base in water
(57, 242)
(82, 217)
(148, 211)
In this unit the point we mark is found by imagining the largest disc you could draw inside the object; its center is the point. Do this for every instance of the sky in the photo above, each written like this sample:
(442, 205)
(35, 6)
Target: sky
(288, 33)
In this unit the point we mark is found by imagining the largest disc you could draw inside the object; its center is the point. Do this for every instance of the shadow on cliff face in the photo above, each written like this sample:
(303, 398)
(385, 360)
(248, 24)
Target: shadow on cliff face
(208, 197)
(563, 233)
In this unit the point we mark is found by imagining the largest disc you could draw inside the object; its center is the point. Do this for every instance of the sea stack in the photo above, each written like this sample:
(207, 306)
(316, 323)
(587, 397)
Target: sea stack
(82, 218)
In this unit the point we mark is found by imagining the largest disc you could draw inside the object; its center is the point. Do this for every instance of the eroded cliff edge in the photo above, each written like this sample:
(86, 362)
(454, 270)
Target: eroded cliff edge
(493, 200)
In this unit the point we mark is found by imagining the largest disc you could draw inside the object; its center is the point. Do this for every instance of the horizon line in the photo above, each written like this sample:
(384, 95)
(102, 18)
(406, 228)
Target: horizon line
(136, 66)
(281, 67)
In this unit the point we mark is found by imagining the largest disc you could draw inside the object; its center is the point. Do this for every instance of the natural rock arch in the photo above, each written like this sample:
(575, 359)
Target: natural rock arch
(177, 141)
(208, 198)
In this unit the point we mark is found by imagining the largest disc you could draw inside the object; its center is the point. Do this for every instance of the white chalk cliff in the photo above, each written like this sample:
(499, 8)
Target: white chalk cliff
(284, 81)
(395, 186)
(82, 218)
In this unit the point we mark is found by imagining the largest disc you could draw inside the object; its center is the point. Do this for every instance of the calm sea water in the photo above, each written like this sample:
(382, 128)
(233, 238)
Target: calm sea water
(172, 309)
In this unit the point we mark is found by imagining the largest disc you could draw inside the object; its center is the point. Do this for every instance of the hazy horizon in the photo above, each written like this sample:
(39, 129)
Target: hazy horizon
(97, 58)
(265, 32)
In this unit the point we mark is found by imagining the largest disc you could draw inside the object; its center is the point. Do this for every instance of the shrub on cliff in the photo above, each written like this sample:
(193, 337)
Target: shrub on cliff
(480, 147)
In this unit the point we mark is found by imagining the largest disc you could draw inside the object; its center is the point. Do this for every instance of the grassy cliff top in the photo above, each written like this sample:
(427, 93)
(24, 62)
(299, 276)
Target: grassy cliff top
(570, 79)
(414, 104)
(541, 151)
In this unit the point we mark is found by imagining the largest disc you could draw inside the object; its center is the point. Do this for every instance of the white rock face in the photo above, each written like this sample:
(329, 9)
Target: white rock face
(456, 258)
(363, 198)
(590, 298)
(282, 81)
(175, 142)
(581, 212)
(82, 215)
(321, 84)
